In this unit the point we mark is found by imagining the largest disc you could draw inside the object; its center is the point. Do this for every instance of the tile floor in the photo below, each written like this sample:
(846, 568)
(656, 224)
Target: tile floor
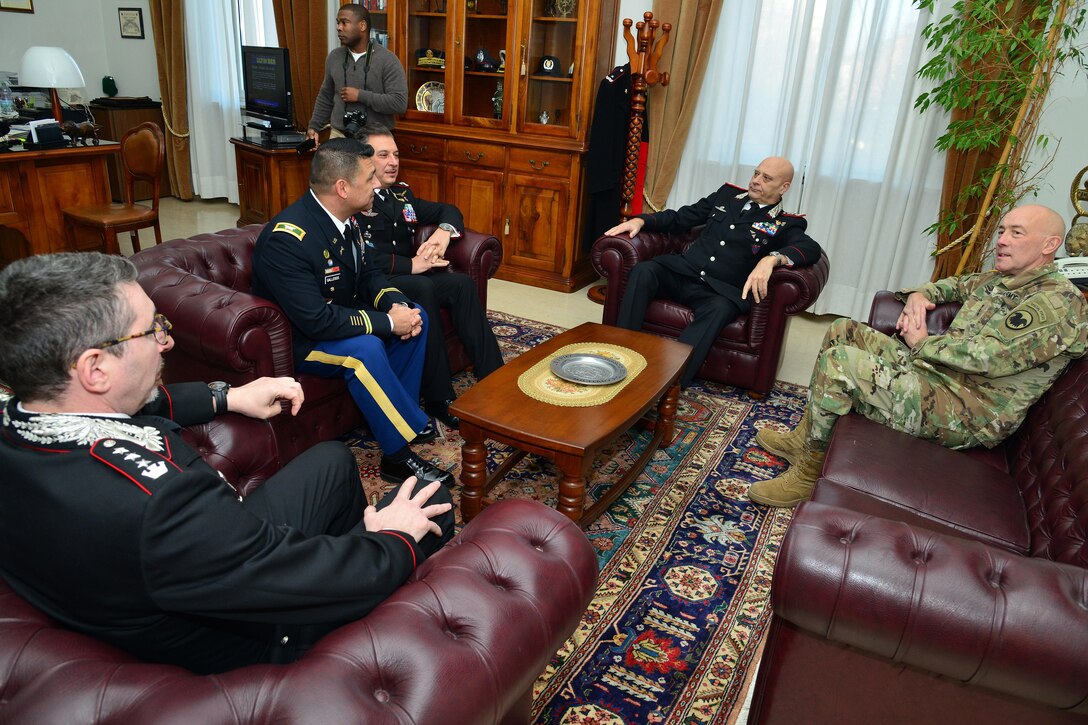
(803, 333)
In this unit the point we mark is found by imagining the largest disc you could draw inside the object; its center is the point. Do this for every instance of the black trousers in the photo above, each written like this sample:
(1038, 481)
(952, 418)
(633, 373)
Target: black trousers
(455, 292)
(650, 280)
(319, 492)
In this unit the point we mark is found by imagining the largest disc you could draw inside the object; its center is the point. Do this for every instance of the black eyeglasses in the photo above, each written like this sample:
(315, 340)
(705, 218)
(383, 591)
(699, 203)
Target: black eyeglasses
(160, 329)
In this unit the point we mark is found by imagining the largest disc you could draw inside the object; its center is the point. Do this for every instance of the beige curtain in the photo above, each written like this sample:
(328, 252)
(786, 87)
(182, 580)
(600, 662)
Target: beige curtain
(168, 26)
(302, 27)
(671, 107)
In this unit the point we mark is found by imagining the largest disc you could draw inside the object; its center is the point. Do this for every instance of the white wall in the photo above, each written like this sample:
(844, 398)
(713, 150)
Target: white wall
(1063, 117)
(89, 31)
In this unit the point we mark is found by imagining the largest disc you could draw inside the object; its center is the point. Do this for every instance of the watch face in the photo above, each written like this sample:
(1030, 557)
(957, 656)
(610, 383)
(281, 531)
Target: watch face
(219, 385)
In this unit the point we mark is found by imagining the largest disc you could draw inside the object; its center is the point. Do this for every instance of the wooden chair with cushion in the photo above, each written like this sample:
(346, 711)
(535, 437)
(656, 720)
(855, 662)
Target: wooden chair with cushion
(142, 150)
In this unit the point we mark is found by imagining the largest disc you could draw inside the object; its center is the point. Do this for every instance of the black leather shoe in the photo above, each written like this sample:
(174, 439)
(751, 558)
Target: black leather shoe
(426, 435)
(441, 411)
(413, 465)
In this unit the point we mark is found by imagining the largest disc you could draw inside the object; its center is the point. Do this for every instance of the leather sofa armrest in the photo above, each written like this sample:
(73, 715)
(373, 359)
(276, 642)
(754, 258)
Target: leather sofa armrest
(244, 335)
(885, 310)
(804, 284)
(614, 257)
(462, 642)
(962, 609)
(476, 254)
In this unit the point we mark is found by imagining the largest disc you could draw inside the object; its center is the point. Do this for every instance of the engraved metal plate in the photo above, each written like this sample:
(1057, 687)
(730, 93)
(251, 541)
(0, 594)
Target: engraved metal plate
(588, 369)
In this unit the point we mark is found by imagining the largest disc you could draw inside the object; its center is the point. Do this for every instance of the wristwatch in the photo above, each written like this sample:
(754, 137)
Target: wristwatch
(780, 259)
(219, 395)
(450, 228)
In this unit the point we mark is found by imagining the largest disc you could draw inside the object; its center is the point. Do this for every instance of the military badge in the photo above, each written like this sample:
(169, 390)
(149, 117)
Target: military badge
(295, 231)
(1018, 320)
(410, 214)
(768, 228)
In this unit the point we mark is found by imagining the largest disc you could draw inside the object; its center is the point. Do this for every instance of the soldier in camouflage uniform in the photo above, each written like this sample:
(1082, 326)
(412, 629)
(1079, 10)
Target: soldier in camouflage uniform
(1019, 327)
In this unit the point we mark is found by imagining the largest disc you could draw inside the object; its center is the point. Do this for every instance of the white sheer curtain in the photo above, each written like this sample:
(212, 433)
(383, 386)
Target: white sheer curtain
(830, 85)
(214, 34)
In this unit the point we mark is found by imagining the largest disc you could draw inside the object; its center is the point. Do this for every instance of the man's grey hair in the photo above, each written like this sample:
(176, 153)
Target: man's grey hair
(337, 158)
(53, 307)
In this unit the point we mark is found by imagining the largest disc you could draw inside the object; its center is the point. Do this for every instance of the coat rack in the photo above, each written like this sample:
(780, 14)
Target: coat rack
(644, 55)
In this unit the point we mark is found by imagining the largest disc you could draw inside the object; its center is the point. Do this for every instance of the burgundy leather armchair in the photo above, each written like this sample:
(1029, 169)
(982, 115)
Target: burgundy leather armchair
(461, 642)
(222, 332)
(747, 352)
(926, 585)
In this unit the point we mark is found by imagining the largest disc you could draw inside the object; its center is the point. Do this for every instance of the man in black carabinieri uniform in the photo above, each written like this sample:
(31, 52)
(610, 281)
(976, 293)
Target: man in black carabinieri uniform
(347, 319)
(746, 235)
(424, 274)
(115, 527)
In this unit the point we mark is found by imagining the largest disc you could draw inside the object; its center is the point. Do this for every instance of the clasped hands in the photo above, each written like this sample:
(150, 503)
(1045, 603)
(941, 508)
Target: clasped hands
(912, 320)
(407, 321)
(431, 253)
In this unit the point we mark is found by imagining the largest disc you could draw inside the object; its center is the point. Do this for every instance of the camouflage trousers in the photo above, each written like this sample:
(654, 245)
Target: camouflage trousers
(870, 373)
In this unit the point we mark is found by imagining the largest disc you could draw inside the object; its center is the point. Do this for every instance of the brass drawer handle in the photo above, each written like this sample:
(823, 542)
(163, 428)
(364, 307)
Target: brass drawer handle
(417, 149)
(476, 158)
(532, 162)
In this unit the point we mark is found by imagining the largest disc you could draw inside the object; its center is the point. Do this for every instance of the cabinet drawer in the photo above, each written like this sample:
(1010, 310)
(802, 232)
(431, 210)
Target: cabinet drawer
(422, 148)
(534, 161)
(472, 152)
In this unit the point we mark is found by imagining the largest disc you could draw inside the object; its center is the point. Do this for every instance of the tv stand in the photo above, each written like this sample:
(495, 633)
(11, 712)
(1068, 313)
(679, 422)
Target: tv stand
(273, 136)
(268, 179)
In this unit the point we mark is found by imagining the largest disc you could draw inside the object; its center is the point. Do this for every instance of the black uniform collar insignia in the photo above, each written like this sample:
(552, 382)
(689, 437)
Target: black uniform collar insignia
(62, 430)
(402, 197)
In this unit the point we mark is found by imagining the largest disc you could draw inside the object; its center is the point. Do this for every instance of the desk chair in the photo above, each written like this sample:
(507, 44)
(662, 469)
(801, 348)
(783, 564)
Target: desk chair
(142, 149)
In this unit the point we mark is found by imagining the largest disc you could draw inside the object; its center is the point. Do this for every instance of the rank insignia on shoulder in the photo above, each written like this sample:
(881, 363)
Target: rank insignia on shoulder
(288, 228)
(136, 463)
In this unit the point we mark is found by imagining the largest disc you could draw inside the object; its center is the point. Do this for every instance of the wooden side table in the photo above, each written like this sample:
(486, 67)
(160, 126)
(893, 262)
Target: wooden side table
(269, 179)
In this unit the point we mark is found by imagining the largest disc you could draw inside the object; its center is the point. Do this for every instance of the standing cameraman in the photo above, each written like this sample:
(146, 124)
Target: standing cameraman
(364, 81)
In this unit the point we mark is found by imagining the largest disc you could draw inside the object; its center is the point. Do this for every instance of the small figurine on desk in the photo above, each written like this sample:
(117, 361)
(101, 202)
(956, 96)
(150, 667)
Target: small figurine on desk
(81, 132)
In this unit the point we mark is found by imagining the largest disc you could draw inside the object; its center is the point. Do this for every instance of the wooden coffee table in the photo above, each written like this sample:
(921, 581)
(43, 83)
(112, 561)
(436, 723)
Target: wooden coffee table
(496, 408)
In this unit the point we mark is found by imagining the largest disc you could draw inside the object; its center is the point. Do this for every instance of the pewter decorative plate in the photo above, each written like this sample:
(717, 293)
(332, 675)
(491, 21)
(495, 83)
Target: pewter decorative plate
(588, 369)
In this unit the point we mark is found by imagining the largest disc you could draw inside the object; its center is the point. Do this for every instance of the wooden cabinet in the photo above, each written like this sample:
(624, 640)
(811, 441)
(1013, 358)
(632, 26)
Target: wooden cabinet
(268, 180)
(115, 121)
(500, 129)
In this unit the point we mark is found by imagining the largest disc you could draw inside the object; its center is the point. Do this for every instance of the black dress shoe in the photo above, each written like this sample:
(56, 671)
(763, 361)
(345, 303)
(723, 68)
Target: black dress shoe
(441, 411)
(413, 465)
(428, 434)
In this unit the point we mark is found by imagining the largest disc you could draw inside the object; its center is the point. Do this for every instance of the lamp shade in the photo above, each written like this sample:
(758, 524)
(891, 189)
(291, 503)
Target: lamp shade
(49, 67)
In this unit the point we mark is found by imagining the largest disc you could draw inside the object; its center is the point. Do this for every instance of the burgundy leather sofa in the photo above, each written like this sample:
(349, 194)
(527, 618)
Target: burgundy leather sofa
(925, 585)
(222, 332)
(747, 352)
(462, 642)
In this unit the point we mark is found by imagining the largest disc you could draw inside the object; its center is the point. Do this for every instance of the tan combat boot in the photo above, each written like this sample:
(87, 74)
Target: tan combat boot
(793, 486)
(785, 445)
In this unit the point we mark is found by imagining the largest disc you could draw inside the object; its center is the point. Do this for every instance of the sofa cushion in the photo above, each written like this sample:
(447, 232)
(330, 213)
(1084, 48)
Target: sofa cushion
(875, 470)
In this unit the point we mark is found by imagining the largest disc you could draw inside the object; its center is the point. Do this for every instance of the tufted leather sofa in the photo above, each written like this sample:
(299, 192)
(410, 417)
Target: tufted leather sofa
(222, 332)
(461, 642)
(747, 352)
(925, 585)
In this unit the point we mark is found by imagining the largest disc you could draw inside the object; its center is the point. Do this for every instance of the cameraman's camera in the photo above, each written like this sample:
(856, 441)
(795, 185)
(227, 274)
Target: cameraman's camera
(354, 121)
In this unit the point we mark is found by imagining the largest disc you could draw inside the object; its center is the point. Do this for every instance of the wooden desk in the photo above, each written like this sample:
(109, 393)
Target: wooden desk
(268, 180)
(36, 185)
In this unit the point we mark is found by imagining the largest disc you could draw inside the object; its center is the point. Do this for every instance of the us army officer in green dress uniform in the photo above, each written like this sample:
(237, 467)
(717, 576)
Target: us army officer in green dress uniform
(1019, 327)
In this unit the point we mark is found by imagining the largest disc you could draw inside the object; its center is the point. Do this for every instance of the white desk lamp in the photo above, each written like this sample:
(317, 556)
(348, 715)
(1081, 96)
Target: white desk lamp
(50, 67)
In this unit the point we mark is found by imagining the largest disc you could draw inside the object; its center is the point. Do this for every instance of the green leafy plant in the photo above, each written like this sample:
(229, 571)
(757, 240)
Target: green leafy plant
(993, 63)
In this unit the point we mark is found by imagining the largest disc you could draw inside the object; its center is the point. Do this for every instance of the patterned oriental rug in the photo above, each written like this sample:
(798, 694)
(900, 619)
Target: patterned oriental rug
(686, 560)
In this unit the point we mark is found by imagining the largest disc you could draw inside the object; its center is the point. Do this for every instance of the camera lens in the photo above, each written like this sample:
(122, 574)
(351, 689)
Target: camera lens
(354, 121)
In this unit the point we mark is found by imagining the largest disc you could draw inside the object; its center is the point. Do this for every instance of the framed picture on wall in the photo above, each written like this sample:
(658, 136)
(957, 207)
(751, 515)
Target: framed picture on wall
(132, 22)
(17, 6)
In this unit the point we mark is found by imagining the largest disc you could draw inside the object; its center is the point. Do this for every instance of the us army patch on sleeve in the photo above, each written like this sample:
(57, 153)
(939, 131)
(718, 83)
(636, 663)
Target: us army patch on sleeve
(1027, 318)
(295, 231)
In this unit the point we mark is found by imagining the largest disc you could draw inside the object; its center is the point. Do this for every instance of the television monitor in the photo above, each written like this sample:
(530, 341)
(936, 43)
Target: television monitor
(266, 81)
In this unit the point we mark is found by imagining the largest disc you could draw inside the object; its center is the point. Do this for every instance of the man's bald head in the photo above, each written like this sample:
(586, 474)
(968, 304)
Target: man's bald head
(1027, 237)
(770, 180)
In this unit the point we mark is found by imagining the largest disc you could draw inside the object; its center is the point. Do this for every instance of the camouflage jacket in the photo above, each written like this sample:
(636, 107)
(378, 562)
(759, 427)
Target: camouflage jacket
(1009, 342)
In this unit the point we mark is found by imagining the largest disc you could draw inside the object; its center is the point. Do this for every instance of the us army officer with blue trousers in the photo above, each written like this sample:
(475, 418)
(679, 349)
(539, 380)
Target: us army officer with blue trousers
(346, 318)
